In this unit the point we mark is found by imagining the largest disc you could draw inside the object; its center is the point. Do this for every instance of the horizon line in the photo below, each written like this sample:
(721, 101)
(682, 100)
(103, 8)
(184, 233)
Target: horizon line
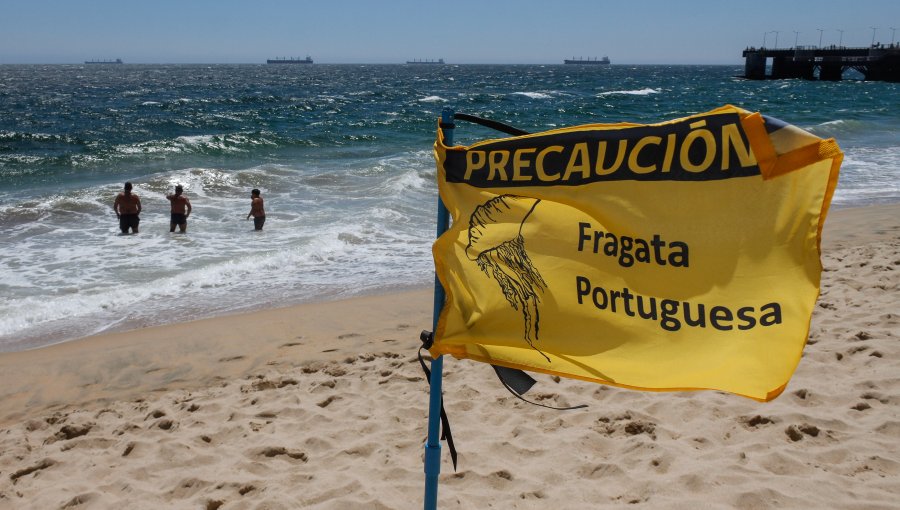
(404, 63)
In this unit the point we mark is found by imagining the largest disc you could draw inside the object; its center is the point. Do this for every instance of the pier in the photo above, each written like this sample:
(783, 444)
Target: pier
(878, 62)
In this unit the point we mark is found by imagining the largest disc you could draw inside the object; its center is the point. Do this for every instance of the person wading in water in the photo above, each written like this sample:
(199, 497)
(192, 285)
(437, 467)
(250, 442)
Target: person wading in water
(256, 210)
(181, 209)
(128, 207)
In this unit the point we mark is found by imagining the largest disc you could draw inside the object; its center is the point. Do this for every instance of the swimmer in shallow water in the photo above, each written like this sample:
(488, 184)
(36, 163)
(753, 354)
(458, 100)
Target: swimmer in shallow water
(128, 209)
(181, 209)
(257, 210)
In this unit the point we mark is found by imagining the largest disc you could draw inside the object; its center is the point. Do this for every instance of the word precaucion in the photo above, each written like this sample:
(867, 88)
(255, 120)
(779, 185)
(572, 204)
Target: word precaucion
(711, 148)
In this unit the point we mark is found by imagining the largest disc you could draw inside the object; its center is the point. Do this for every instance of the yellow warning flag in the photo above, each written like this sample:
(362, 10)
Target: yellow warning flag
(673, 256)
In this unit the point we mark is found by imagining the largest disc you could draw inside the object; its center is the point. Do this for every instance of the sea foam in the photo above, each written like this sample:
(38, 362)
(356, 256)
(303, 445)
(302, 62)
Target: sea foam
(637, 92)
(533, 95)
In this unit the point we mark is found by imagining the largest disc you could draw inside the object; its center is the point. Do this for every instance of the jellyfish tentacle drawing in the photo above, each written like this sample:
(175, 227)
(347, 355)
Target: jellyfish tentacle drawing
(497, 246)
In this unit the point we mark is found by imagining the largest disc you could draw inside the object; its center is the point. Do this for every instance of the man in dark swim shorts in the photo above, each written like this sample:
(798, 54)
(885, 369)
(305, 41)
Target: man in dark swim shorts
(256, 210)
(181, 209)
(128, 207)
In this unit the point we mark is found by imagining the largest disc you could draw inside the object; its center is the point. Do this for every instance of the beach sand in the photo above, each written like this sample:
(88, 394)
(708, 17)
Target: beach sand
(324, 406)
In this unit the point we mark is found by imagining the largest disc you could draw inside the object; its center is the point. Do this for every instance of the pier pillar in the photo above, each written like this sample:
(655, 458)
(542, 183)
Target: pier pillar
(803, 69)
(886, 68)
(830, 71)
(785, 67)
(781, 67)
(755, 67)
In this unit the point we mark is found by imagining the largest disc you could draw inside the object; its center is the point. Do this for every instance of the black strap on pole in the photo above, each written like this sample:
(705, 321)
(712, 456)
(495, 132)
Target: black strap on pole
(493, 124)
(427, 339)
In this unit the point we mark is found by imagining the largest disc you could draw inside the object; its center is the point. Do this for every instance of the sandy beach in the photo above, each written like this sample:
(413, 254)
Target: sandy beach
(324, 406)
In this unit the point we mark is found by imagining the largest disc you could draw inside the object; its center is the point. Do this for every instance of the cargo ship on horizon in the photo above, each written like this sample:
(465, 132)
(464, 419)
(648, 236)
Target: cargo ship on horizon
(116, 61)
(439, 61)
(291, 60)
(588, 61)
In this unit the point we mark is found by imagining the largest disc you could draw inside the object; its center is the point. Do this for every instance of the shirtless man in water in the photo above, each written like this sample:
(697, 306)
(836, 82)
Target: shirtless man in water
(256, 210)
(128, 207)
(181, 209)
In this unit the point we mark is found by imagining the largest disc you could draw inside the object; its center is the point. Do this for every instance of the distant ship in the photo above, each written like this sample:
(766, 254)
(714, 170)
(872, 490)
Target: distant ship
(291, 60)
(595, 61)
(116, 61)
(414, 61)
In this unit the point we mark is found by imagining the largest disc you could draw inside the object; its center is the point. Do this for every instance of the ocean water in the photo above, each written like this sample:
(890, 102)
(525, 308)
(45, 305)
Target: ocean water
(342, 154)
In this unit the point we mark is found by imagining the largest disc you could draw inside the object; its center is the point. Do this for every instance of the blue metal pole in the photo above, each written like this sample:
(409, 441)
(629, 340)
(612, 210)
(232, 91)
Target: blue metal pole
(433, 444)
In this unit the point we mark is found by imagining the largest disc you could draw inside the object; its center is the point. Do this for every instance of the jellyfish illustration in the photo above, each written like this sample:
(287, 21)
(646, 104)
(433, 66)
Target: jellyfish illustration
(497, 246)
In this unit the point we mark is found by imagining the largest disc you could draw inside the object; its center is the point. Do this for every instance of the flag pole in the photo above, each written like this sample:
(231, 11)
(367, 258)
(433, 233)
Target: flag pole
(433, 444)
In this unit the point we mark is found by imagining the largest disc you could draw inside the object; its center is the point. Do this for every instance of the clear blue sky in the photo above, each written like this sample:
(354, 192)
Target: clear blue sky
(465, 31)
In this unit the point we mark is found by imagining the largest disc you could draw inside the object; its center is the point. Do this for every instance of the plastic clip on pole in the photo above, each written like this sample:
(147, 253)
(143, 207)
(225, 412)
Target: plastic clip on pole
(433, 444)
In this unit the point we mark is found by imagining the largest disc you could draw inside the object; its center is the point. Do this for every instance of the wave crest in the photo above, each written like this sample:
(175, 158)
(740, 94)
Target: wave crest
(638, 92)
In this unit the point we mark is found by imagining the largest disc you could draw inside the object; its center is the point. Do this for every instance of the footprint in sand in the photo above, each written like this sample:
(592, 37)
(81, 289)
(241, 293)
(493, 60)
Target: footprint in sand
(279, 451)
(81, 499)
(758, 420)
(335, 371)
(504, 474)
(164, 424)
(863, 335)
(44, 464)
(155, 414)
(796, 432)
(325, 403)
(876, 396)
(72, 431)
(265, 384)
(641, 427)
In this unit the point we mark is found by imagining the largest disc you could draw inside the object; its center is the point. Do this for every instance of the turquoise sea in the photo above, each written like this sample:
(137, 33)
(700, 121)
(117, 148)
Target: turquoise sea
(342, 154)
